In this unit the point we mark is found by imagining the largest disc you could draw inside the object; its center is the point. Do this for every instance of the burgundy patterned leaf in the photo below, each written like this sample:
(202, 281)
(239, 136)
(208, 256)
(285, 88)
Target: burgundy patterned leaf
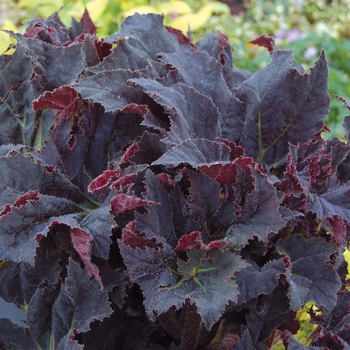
(239, 213)
(152, 195)
(62, 98)
(122, 202)
(264, 41)
(87, 23)
(81, 242)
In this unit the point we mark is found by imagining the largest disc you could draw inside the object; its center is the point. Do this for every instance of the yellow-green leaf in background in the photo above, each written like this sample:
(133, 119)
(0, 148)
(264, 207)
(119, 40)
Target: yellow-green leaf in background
(199, 19)
(174, 7)
(128, 5)
(220, 8)
(94, 7)
(43, 8)
(5, 39)
(347, 259)
(192, 21)
(143, 9)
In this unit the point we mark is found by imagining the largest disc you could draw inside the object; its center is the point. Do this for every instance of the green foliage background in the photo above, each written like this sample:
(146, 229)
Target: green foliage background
(316, 25)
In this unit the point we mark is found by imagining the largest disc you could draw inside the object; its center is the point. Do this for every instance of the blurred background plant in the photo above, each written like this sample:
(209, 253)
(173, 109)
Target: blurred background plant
(305, 26)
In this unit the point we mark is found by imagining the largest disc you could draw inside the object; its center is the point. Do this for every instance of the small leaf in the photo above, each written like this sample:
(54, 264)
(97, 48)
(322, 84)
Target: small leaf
(122, 202)
(81, 242)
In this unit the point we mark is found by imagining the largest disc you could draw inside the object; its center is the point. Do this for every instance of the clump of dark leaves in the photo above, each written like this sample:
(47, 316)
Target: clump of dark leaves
(154, 196)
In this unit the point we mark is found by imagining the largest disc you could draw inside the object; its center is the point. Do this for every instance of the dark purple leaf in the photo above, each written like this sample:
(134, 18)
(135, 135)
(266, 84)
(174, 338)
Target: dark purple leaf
(193, 70)
(292, 343)
(218, 47)
(143, 28)
(50, 30)
(10, 287)
(147, 150)
(66, 60)
(67, 343)
(31, 174)
(80, 302)
(99, 224)
(20, 227)
(271, 312)
(331, 341)
(245, 342)
(110, 88)
(310, 276)
(335, 322)
(311, 178)
(39, 313)
(91, 54)
(113, 133)
(197, 152)
(253, 281)
(128, 54)
(192, 115)
(15, 337)
(299, 103)
(19, 124)
(259, 214)
(153, 223)
(197, 280)
(331, 204)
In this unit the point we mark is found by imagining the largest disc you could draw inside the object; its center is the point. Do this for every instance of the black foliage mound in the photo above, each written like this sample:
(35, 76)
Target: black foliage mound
(153, 196)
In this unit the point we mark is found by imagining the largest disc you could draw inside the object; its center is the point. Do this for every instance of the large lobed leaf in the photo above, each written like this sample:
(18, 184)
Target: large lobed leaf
(79, 303)
(310, 276)
(282, 106)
